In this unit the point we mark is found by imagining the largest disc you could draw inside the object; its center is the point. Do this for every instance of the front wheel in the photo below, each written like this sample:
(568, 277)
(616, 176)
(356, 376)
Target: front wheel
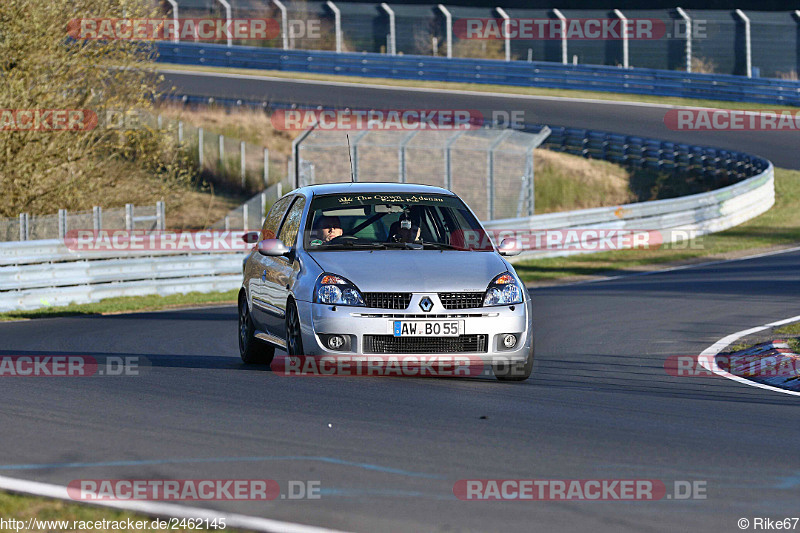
(251, 349)
(294, 335)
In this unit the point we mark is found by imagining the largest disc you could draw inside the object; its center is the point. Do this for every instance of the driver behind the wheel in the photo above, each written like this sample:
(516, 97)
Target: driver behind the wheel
(327, 228)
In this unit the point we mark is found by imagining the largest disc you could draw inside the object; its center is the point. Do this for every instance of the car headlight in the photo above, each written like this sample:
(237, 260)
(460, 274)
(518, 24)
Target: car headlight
(503, 290)
(336, 290)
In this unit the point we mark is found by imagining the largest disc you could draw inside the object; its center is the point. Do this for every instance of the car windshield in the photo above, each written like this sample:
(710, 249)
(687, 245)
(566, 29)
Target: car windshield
(393, 221)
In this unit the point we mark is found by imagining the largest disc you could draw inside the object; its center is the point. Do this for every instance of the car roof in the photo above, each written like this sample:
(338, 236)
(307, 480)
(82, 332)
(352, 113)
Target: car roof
(368, 187)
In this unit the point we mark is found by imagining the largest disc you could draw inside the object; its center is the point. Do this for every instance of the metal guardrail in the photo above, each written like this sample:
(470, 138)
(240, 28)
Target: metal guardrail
(486, 71)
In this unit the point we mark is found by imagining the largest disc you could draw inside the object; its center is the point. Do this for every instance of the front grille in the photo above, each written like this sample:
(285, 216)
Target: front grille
(427, 345)
(461, 300)
(387, 300)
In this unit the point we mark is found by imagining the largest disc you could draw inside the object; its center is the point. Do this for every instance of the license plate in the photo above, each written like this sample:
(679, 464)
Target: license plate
(427, 328)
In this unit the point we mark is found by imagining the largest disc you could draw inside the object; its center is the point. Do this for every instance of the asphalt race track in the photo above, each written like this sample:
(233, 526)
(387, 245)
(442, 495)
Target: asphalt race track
(780, 147)
(387, 451)
(599, 406)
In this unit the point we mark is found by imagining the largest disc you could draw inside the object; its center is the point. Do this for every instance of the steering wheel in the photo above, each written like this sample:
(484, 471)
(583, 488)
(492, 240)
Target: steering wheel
(341, 238)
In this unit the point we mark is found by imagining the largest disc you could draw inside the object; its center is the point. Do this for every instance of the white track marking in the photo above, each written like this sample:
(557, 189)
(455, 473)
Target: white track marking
(708, 357)
(430, 90)
(162, 509)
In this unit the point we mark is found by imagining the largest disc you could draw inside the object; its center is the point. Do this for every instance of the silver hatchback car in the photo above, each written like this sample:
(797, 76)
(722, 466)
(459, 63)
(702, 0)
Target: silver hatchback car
(378, 268)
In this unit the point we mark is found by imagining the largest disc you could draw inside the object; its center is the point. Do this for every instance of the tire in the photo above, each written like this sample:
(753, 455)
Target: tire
(252, 350)
(514, 371)
(294, 335)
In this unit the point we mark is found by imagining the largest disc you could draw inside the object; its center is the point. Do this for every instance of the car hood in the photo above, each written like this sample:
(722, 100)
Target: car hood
(413, 270)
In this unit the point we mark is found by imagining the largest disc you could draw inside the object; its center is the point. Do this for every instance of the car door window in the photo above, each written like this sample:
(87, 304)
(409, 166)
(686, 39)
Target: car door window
(291, 226)
(274, 217)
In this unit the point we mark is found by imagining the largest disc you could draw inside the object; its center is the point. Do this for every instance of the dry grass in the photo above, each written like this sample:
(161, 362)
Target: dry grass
(565, 181)
(702, 65)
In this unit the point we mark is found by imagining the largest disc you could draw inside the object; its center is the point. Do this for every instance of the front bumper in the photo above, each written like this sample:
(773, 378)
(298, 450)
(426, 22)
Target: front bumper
(487, 324)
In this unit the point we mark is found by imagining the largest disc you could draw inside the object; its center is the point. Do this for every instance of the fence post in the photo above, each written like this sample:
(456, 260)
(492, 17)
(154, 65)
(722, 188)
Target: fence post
(200, 147)
(245, 215)
(62, 224)
(284, 23)
(624, 23)
(747, 44)
(161, 216)
(266, 167)
(242, 166)
(23, 227)
(221, 162)
(391, 42)
(97, 218)
(159, 122)
(688, 21)
(563, 20)
(180, 131)
(506, 31)
(401, 155)
(227, 223)
(279, 189)
(449, 30)
(448, 160)
(337, 24)
(263, 207)
(531, 184)
(129, 217)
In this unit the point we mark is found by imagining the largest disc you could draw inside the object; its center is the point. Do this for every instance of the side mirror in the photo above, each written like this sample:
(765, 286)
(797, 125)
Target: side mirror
(509, 247)
(250, 237)
(273, 248)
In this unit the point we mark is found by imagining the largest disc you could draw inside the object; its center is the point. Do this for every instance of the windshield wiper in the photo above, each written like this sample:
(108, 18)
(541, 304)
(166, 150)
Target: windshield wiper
(439, 245)
(349, 244)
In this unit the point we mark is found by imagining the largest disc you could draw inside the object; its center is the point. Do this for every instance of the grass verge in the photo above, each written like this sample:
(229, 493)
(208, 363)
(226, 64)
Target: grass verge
(22, 508)
(126, 304)
(484, 88)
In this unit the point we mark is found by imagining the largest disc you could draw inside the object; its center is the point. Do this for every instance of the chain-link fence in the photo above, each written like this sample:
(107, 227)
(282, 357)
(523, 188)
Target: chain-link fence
(719, 37)
(491, 169)
(250, 215)
(35, 227)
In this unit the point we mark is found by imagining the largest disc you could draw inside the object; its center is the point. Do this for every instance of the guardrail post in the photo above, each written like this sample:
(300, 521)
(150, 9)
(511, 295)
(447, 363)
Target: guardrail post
(97, 218)
(337, 24)
(747, 49)
(175, 38)
(62, 223)
(284, 23)
(448, 18)
(506, 31)
(563, 20)
(624, 26)
(161, 223)
(391, 45)
(24, 233)
(688, 22)
(200, 147)
(129, 217)
(242, 164)
(266, 167)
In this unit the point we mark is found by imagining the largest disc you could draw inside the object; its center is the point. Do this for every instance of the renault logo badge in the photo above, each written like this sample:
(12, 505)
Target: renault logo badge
(426, 304)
